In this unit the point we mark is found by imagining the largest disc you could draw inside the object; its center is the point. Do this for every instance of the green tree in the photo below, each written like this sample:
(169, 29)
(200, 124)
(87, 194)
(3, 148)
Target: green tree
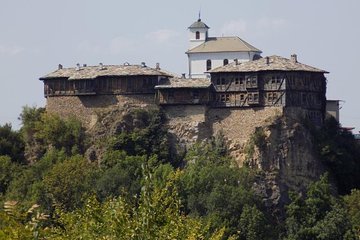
(11, 144)
(143, 133)
(156, 215)
(68, 182)
(27, 187)
(215, 188)
(8, 171)
(340, 152)
(67, 135)
(253, 224)
(352, 203)
(318, 216)
(120, 174)
(18, 224)
(29, 117)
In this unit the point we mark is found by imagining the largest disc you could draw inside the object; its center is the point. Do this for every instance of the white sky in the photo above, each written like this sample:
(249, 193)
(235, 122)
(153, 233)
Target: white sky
(37, 35)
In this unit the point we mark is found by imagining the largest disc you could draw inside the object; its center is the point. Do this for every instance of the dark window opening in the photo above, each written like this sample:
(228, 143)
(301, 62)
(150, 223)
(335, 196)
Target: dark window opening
(196, 94)
(241, 81)
(208, 65)
(197, 35)
(226, 62)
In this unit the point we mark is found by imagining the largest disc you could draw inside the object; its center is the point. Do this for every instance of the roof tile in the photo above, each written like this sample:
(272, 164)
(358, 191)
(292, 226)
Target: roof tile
(92, 72)
(271, 63)
(224, 44)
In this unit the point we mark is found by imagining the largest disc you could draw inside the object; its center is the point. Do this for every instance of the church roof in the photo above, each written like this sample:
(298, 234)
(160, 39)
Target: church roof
(199, 24)
(184, 83)
(224, 44)
(92, 72)
(272, 63)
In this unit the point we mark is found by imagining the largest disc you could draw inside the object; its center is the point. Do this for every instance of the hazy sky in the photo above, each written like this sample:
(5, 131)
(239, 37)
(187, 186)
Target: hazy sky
(37, 35)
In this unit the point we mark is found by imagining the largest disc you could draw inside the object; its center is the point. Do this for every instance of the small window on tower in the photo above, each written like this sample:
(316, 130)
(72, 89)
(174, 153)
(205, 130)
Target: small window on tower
(208, 65)
(197, 35)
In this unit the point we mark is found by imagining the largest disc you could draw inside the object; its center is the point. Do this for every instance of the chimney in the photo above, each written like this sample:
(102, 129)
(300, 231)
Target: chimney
(84, 65)
(101, 65)
(143, 64)
(60, 66)
(157, 66)
(267, 60)
(78, 67)
(183, 76)
(294, 58)
(236, 61)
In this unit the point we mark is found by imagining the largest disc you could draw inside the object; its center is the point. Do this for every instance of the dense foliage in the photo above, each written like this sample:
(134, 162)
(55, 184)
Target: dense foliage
(340, 153)
(140, 190)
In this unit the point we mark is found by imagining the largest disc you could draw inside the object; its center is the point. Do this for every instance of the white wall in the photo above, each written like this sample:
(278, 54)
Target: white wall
(192, 37)
(197, 61)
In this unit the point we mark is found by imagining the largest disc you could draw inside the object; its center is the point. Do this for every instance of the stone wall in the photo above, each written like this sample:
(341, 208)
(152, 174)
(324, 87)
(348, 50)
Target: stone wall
(195, 123)
(187, 123)
(89, 109)
(237, 125)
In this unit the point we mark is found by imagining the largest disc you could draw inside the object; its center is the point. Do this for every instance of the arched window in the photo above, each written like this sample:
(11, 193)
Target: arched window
(226, 62)
(208, 64)
(197, 35)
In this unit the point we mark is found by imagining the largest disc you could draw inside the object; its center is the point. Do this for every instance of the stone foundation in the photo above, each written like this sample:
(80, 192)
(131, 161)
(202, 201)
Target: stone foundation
(89, 109)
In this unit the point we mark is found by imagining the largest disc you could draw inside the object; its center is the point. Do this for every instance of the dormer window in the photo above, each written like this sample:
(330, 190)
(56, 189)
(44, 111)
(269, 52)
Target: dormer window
(226, 62)
(197, 35)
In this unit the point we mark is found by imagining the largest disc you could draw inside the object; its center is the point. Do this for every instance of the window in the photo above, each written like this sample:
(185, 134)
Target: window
(222, 99)
(253, 98)
(225, 98)
(197, 35)
(223, 81)
(242, 97)
(273, 80)
(253, 81)
(236, 81)
(273, 97)
(248, 81)
(208, 64)
(226, 62)
(196, 94)
(241, 81)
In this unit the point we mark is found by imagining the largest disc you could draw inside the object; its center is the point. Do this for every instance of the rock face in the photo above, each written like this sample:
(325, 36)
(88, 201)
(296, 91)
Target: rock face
(270, 139)
(287, 160)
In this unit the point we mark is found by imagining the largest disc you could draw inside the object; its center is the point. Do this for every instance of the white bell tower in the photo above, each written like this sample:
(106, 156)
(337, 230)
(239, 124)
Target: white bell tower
(198, 33)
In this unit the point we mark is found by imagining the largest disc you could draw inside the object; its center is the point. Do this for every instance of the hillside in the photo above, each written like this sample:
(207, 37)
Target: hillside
(132, 176)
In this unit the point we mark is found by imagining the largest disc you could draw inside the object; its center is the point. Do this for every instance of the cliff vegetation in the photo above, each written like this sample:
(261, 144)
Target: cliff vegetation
(59, 181)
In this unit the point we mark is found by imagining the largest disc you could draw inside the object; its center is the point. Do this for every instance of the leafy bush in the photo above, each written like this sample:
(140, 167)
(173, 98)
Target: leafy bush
(145, 134)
